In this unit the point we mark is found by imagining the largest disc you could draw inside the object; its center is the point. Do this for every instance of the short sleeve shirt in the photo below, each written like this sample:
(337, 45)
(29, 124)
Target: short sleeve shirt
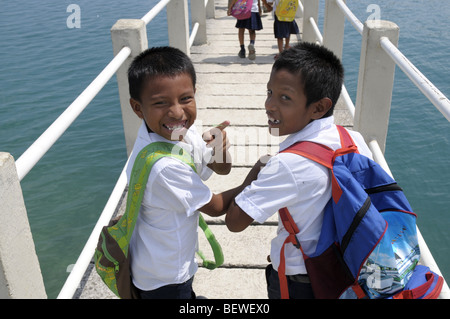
(301, 185)
(164, 241)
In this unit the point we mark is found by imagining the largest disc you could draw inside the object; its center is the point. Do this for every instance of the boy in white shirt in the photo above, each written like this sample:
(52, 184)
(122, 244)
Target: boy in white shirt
(304, 86)
(163, 245)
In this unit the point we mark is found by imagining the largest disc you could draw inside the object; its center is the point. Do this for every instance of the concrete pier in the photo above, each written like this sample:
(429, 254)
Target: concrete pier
(234, 89)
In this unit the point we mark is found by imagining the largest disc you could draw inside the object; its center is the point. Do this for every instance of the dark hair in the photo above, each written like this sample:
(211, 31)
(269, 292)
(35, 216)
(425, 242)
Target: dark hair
(321, 71)
(159, 61)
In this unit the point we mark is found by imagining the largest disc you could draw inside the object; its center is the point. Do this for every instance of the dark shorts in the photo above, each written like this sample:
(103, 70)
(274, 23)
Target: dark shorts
(283, 29)
(252, 23)
(175, 291)
(298, 286)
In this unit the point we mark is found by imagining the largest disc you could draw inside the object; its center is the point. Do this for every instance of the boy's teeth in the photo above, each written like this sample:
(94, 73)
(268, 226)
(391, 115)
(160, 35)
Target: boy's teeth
(271, 119)
(175, 127)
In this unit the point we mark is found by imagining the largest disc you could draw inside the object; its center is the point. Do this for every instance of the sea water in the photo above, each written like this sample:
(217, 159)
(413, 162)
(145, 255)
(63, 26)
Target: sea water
(49, 55)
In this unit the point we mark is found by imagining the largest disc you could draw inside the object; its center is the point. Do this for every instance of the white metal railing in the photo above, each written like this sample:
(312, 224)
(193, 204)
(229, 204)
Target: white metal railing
(83, 261)
(154, 11)
(350, 16)
(316, 30)
(193, 33)
(38, 149)
(439, 100)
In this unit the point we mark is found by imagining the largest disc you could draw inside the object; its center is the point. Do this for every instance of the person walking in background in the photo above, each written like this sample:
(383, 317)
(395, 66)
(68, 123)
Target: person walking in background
(284, 22)
(252, 23)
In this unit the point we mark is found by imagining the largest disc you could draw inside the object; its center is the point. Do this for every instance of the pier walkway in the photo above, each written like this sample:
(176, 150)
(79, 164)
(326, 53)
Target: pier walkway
(234, 89)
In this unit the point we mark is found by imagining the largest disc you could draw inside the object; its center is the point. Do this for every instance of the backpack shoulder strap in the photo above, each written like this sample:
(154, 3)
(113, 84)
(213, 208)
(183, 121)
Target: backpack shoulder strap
(292, 229)
(142, 166)
(314, 151)
(325, 156)
(346, 139)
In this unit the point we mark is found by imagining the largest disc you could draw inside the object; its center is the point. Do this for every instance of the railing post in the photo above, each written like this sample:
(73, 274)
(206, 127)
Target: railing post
(210, 9)
(198, 14)
(178, 25)
(130, 33)
(333, 27)
(311, 10)
(20, 273)
(375, 82)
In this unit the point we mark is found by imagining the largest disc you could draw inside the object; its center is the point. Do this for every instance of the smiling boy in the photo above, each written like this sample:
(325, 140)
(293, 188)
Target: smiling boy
(304, 86)
(162, 248)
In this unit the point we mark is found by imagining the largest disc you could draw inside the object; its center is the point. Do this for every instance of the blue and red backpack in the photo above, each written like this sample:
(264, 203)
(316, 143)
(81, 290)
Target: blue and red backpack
(368, 246)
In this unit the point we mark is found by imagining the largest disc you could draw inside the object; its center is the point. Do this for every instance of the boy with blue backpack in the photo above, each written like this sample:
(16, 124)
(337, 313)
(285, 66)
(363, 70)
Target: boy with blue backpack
(346, 230)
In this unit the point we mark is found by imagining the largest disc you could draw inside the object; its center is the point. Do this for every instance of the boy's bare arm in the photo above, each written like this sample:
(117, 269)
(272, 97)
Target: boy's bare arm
(217, 139)
(236, 219)
(221, 203)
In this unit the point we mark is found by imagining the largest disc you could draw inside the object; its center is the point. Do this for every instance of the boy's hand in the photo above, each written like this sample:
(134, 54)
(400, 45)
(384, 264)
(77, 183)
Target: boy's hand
(217, 139)
(218, 131)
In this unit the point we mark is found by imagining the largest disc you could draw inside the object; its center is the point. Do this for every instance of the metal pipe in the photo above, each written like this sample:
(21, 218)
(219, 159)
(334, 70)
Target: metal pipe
(316, 30)
(154, 11)
(38, 149)
(193, 33)
(439, 100)
(78, 271)
(350, 16)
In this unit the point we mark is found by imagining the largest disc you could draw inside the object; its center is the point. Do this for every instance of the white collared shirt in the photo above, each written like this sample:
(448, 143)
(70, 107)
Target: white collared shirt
(164, 241)
(301, 185)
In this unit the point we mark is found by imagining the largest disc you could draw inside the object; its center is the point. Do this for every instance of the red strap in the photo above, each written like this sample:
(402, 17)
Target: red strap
(288, 222)
(325, 156)
(419, 291)
(346, 139)
(284, 291)
(317, 152)
(292, 229)
(359, 292)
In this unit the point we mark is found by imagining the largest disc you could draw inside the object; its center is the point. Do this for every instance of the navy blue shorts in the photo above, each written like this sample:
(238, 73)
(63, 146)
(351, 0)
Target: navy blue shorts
(175, 291)
(298, 286)
(282, 29)
(252, 23)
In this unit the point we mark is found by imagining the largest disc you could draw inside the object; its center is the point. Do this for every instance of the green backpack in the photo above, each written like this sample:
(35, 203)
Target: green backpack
(111, 255)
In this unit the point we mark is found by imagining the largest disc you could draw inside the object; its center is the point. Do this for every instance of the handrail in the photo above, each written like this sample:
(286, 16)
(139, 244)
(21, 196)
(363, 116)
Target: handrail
(301, 7)
(439, 100)
(350, 16)
(436, 97)
(154, 11)
(38, 149)
(83, 261)
(85, 257)
(348, 101)
(193, 33)
(316, 30)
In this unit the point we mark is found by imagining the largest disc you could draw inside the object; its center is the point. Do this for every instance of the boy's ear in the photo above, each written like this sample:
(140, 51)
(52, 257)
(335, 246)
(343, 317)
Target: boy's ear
(321, 107)
(137, 108)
